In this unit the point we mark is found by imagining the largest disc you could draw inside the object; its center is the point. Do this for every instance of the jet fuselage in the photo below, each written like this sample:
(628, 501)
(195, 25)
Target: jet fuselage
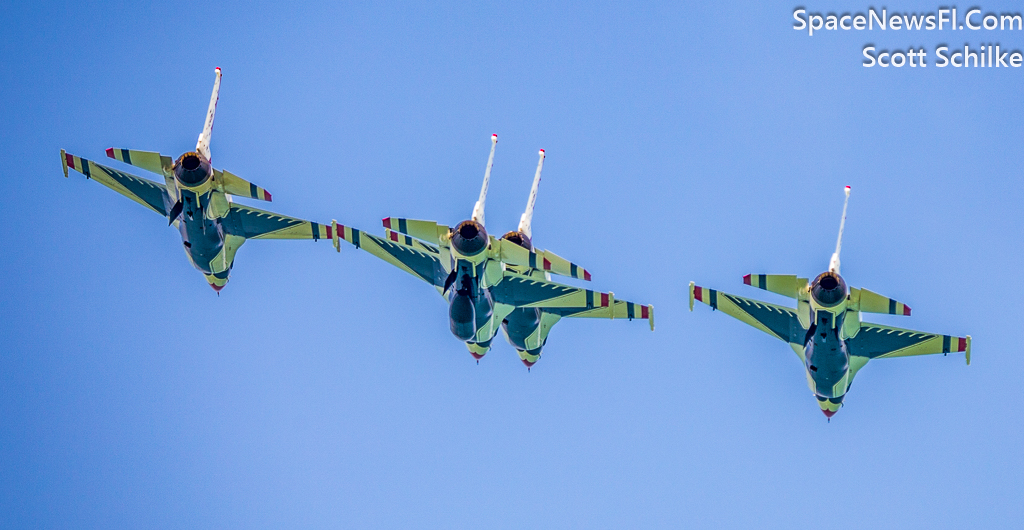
(470, 305)
(523, 322)
(200, 211)
(826, 355)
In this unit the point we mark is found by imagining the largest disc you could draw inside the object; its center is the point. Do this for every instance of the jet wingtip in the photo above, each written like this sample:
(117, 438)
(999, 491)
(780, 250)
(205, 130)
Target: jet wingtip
(335, 236)
(69, 160)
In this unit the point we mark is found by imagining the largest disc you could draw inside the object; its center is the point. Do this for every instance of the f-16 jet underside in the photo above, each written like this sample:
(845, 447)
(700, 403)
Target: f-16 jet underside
(825, 329)
(196, 199)
(491, 282)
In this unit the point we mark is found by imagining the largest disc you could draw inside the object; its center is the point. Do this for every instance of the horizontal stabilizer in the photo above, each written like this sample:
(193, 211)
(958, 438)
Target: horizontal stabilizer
(148, 160)
(428, 231)
(784, 284)
(409, 241)
(234, 185)
(866, 301)
(542, 260)
(550, 262)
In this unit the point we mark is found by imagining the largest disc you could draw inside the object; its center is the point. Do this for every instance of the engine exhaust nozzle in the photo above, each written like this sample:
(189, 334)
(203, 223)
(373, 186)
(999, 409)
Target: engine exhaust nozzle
(469, 238)
(828, 289)
(192, 170)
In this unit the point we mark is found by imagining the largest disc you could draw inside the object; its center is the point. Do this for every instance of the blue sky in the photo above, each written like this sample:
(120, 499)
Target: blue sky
(685, 141)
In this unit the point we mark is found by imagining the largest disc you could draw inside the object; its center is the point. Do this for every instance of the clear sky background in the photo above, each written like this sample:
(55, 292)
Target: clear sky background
(685, 141)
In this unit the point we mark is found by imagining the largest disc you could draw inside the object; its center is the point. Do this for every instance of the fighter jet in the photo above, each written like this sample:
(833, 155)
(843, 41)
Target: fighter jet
(196, 198)
(489, 281)
(825, 329)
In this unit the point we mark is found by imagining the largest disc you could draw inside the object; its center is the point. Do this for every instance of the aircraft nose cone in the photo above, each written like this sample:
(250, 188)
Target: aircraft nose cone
(828, 413)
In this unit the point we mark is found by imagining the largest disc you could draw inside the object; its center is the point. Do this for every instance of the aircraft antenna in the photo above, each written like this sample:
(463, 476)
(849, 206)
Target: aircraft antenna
(833, 265)
(203, 145)
(478, 210)
(526, 221)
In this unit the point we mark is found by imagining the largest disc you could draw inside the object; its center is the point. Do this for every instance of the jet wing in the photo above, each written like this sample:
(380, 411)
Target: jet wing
(875, 340)
(420, 259)
(150, 194)
(777, 321)
(619, 309)
(253, 223)
(564, 300)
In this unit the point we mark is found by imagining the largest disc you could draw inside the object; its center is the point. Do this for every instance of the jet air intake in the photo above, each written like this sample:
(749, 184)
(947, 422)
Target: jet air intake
(192, 170)
(462, 317)
(469, 238)
(828, 289)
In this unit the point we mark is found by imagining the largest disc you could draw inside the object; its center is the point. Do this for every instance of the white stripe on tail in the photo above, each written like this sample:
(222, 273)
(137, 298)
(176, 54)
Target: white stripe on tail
(478, 210)
(833, 264)
(203, 145)
(526, 221)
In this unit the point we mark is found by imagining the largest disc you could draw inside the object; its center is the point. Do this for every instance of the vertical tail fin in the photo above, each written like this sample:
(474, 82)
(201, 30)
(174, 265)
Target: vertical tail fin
(526, 221)
(203, 145)
(478, 209)
(833, 264)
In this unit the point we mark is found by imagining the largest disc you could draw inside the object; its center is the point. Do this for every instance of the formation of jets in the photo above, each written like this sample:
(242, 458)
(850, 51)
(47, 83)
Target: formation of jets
(492, 283)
